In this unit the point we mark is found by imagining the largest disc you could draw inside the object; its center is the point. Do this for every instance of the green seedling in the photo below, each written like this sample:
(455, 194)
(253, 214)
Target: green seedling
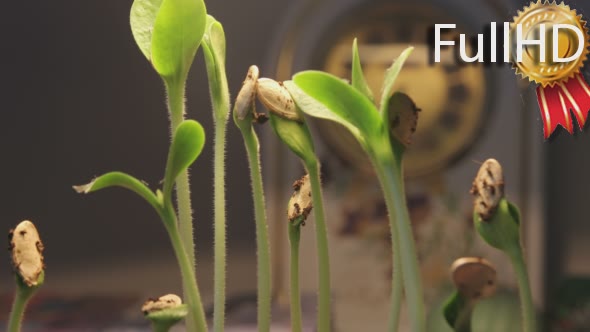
(214, 51)
(289, 125)
(164, 312)
(245, 115)
(27, 259)
(384, 134)
(300, 205)
(498, 223)
(168, 33)
(475, 279)
(186, 146)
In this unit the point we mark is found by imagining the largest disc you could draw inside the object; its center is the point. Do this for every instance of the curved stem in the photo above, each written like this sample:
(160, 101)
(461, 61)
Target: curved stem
(321, 231)
(19, 305)
(189, 279)
(295, 291)
(219, 228)
(175, 92)
(526, 298)
(396, 273)
(262, 242)
(403, 242)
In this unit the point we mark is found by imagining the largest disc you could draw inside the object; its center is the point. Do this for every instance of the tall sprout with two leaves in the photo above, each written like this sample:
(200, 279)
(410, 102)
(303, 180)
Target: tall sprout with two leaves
(383, 133)
(168, 33)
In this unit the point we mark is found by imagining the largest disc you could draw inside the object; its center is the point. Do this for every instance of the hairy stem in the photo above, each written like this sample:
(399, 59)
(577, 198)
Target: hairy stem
(526, 298)
(21, 298)
(262, 242)
(219, 227)
(321, 231)
(295, 291)
(176, 108)
(187, 270)
(396, 273)
(389, 175)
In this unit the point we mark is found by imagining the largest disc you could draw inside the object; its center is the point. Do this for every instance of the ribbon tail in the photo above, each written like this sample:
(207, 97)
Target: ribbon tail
(554, 112)
(577, 92)
(558, 102)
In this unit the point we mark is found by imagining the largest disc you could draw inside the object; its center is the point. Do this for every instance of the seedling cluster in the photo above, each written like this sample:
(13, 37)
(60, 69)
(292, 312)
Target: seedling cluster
(169, 33)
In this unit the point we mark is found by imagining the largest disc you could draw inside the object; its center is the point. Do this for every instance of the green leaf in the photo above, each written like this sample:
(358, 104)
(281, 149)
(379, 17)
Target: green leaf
(166, 318)
(214, 50)
(177, 34)
(390, 78)
(324, 96)
(142, 19)
(358, 78)
(452, 307)
(187, 144)
(502, 230)
(119, 179)
(295, 135)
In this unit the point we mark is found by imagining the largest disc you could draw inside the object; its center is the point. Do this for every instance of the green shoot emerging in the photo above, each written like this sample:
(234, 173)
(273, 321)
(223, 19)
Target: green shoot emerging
(325, 96)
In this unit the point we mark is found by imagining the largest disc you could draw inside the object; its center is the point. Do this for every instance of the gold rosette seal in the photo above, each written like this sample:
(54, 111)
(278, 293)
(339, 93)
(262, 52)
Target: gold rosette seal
(555, 66)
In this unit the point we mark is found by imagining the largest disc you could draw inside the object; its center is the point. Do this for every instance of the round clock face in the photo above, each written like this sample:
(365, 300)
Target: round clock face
(452, 97)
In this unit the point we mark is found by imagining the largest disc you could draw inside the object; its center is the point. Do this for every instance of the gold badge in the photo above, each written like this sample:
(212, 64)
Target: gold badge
(539, 20)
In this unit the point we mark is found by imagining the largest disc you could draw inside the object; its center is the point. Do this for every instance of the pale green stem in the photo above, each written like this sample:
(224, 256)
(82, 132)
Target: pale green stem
(526, 298)
(187, 270)
(219, 228)
(176, 107)
(262, 242)
(396, 273)
(19, 305)
(160, 327)
(321, 231)
(401, 229)
(295, 291)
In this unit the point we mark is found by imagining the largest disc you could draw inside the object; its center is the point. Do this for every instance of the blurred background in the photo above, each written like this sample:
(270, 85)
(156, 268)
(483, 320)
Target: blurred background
(78, 99)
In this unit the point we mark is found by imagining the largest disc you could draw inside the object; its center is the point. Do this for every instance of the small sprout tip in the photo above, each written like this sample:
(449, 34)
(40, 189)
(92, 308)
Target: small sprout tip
(300, 204)
(27, 253)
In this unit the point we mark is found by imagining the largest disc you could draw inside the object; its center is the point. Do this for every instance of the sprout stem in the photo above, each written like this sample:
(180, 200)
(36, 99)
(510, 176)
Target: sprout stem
(295, 291)
(187, 270)
(324, 311)
(175, 91)
(526, 298)
(22, 296)
(389, 175)
(262, 241)
(219, 227)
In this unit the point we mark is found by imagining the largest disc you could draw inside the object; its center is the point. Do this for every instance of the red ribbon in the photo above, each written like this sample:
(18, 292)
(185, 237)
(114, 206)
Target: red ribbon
(557, 101)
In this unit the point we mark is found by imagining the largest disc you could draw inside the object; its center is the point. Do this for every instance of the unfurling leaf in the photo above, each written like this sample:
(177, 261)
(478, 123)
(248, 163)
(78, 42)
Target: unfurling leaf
(187, 144)
(341, 103)
(358, 78)
(296, 136)
(119, 179)
(214, 51)
(390, 78)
